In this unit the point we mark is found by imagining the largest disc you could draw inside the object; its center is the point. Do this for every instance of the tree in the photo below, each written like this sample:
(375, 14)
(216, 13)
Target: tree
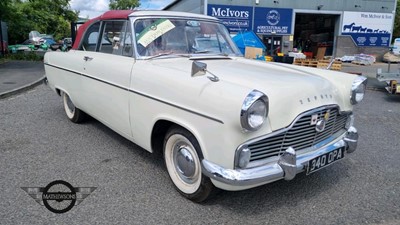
(5, 9)
(123, 4)
(46, 16)
(396, 28)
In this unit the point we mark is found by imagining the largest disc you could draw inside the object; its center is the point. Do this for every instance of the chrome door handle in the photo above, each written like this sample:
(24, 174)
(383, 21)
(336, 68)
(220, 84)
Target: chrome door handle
(87, 58)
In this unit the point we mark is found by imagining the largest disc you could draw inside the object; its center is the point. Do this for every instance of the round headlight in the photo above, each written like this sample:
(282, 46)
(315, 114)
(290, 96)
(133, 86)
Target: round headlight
(254, 111)
(358, 90)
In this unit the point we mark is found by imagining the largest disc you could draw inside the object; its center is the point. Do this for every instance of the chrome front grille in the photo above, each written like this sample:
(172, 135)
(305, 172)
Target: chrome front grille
(301, 135)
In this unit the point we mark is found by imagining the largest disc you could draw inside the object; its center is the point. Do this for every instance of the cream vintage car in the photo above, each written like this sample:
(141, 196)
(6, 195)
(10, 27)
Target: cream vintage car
(175, 83)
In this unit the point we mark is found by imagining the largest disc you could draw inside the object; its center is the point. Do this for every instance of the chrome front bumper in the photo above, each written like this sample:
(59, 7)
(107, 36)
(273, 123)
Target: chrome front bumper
(288, 165)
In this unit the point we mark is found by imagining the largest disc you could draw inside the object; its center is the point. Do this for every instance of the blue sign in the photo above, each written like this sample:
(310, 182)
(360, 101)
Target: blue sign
(235, 18)
(368, 29)
(370, 39)
(273, 21)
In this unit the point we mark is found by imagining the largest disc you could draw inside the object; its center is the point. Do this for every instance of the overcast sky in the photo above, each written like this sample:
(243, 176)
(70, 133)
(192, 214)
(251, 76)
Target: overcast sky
(94, 8)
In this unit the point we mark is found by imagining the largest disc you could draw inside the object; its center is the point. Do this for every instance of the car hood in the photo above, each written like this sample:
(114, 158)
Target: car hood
(291, 89)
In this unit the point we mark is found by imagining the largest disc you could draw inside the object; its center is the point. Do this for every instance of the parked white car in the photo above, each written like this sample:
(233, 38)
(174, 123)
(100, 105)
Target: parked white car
(34, 37)
(220, 120)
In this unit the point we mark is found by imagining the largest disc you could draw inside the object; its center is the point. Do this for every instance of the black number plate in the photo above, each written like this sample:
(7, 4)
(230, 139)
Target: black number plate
(324, 160)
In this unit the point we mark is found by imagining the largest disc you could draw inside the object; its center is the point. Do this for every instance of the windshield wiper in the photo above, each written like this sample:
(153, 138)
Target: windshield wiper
(202, 51)
(210, 53)
(210, 56)
(167, 54)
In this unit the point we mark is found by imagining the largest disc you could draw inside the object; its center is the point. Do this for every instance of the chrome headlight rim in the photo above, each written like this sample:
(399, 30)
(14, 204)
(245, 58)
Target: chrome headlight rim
(250, 100)
(358, 87)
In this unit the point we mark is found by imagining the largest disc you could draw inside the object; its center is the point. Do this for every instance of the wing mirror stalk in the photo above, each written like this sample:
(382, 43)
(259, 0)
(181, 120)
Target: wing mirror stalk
(200, 69)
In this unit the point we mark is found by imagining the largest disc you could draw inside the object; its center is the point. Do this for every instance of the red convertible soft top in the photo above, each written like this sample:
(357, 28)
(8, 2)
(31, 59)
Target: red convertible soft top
(113, 14)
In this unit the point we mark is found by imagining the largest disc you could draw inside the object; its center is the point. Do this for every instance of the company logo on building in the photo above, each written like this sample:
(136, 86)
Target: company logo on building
(373, 40)
(361, 40)
(385, 40)
(273, 17)
(229, 13)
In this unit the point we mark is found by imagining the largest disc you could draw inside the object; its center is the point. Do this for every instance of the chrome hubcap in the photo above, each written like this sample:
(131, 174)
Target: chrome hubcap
(185, 164)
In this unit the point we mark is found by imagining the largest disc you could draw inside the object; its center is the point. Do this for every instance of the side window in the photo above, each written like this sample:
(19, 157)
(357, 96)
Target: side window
(113, 37)
(90, 39)
(127, 44)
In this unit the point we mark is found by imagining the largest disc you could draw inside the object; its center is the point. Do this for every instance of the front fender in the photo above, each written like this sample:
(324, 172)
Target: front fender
(209, 110)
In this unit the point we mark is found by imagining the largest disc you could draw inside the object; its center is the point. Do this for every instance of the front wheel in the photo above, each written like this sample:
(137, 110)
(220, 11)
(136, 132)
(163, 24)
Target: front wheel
(74, 114)
(182, 155)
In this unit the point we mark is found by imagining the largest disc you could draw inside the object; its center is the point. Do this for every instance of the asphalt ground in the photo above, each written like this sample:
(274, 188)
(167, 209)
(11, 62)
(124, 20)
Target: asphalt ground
(38, 145)
(17, 76)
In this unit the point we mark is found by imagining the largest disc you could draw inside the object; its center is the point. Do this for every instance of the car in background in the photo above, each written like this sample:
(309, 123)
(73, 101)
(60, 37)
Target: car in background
(67, 43)
(34, 37)
(51, 43)
(27, 45)
(175, 83)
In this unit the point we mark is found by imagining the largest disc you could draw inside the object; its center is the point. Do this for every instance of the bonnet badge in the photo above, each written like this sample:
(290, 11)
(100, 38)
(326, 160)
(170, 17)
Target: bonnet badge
(320, 124)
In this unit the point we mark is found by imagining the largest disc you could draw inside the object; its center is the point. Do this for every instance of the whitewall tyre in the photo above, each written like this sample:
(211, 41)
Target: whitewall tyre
(74, 114)
(182, 155)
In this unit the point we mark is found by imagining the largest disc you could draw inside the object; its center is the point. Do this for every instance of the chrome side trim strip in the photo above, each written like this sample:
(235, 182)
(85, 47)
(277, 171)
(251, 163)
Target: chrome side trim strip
(138, 93)
(177, 106)
(88, 76)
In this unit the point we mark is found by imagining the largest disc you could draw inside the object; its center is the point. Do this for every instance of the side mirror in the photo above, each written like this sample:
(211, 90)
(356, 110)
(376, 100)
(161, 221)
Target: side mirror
(198, 69)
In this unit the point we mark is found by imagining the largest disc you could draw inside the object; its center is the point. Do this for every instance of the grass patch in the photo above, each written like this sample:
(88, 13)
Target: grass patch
(27, 56)
(3, 60)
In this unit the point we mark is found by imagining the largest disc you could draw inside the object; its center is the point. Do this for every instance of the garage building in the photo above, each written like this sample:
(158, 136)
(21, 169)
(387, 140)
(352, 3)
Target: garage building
(317, 28)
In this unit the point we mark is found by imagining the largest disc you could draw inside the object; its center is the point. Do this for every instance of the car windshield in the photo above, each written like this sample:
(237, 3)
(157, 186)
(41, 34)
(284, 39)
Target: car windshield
(177, 37)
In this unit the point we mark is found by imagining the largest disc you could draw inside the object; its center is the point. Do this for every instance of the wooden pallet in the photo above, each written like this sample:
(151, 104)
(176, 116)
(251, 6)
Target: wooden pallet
(298, 62)
(311, 64)
(336, 66)
(323, 64)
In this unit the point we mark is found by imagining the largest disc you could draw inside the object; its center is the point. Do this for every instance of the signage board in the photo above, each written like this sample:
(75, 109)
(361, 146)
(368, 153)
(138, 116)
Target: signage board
(367, 28)
(235, 18)
(273, 20)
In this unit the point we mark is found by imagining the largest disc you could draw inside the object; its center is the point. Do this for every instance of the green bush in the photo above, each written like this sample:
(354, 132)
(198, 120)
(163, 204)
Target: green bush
(28, 56)
(2, 59)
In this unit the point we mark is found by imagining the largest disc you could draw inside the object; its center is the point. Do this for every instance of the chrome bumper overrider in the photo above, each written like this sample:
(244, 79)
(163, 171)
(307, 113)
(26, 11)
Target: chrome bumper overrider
(288, 165)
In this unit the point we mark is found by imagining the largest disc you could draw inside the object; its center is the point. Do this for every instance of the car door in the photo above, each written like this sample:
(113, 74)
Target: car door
(107, 72)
